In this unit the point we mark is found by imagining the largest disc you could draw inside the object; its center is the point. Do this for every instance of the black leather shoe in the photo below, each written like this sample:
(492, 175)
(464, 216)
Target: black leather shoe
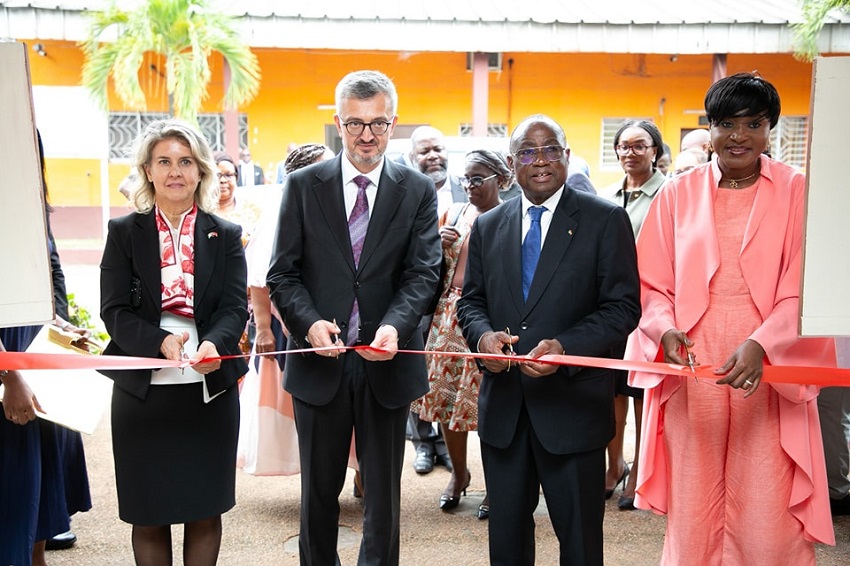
(483, 512)
(61, 541)
(840, 506)
(424, 462)
(443, 460)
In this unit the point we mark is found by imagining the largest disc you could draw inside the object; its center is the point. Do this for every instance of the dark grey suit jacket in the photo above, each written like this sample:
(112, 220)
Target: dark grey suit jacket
(458, 192)
(312, 276)
(131, 295)
(585, 294)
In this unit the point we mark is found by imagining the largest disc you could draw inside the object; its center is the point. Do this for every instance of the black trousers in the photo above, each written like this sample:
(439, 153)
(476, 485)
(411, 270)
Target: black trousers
(573, 485)
(324, 437)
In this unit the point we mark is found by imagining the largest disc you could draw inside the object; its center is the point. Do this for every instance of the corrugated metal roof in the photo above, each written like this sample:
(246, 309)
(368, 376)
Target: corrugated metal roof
(620, 26)
(618, 12)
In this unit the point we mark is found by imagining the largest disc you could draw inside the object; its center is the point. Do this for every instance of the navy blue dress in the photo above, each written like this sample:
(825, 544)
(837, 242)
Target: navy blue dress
(43, 477)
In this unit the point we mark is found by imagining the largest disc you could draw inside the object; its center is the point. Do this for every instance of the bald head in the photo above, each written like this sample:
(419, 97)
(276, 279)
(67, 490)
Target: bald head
(697, 139)
(429, 153)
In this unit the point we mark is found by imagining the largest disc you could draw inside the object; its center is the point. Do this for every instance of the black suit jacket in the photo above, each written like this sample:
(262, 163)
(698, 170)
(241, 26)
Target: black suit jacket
(585, 294)
(259, 177)
(312, 276)
(131, 259)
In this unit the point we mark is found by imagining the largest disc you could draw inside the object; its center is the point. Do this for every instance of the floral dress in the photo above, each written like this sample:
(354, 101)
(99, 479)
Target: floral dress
(454, 381)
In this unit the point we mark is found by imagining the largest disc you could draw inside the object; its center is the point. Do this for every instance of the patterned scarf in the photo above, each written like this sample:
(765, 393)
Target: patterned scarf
(177, 263)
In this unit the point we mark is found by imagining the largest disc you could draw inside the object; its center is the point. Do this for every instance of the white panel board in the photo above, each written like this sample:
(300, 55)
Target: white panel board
(825, 297)
(26, 289)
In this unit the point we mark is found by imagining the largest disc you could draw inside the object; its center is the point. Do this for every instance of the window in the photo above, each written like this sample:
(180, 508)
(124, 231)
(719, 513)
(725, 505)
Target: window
(493, 130)
(610, 161)
(789, 140)
(124, 127)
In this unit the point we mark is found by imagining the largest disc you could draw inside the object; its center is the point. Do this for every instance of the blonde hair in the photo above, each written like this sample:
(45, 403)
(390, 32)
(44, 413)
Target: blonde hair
(144, 195)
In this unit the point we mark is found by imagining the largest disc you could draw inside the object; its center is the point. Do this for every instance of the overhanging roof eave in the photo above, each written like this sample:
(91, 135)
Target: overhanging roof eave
(503, 36)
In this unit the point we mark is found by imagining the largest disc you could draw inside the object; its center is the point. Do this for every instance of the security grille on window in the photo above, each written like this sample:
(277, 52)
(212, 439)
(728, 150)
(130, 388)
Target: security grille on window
(610, 161)
(493, 130)
(124, 127)
(788, 140)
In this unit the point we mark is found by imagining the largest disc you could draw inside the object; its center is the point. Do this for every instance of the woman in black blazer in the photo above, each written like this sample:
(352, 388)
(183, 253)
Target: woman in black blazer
(173, 281)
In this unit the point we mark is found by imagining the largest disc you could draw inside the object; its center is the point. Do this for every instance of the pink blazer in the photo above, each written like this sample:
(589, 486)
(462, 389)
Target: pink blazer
(678, 254)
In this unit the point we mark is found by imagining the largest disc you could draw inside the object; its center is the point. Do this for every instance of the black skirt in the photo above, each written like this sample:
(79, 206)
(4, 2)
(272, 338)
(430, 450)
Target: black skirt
(175, 456)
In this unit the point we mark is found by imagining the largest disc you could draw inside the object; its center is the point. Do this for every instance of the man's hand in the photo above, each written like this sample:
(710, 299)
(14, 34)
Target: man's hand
(538, 369)
(496, 343)
(324, 334)
(386, 338)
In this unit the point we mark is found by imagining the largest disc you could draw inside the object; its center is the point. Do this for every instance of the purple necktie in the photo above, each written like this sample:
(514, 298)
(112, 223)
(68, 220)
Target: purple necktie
(358, 222)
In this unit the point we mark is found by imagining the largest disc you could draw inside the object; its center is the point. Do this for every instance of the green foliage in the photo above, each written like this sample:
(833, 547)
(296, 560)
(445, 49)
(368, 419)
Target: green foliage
(82, 318)
(807, 32)
(185, 33)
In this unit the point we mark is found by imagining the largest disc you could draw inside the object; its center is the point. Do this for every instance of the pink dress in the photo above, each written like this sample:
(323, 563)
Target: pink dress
(724, 266)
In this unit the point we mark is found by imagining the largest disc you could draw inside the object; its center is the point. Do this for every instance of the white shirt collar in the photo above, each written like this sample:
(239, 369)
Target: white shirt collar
(550, 203)
(349, 171)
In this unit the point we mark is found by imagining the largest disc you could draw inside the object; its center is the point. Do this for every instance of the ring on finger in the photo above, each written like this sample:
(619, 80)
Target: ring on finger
(748, 383)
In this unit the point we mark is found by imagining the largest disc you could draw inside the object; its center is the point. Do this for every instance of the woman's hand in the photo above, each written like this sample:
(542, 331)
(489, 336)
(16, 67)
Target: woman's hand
(264, 340)
(676, 344)
(744, 368)
(448, 235)
(206, 350)
(172, 346)
(19, 402)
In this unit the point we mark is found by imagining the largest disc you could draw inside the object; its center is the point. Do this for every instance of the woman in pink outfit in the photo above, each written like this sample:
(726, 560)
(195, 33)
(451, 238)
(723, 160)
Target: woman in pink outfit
(736, 464)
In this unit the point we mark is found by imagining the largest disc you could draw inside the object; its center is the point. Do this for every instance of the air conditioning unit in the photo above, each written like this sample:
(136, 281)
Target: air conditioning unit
(494, 61)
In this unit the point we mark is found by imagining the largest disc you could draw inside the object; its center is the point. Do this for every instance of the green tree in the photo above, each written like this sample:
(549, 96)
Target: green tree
(185, 33)
(806, 33)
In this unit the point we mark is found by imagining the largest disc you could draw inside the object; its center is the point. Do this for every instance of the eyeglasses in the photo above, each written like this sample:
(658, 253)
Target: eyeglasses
(226, 176)
(530, 155)
(475, 181)
(638, 148)
(356, 127)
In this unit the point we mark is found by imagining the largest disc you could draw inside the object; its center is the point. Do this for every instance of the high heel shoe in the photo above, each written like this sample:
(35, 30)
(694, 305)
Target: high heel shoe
(610, 492)
(626, 503)
(448, 502)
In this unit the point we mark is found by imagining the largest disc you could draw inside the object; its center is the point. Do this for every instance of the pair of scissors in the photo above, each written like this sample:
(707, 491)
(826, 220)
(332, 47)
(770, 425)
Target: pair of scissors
(335, 335)
(508, 348)
(691, 361)
(183, 357)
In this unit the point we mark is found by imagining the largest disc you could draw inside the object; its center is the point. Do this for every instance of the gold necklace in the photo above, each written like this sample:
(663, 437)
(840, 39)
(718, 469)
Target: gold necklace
(733, 183)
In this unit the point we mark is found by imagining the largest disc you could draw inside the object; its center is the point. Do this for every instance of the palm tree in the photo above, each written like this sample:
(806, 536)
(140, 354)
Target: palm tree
(185, 33)
(807, 32)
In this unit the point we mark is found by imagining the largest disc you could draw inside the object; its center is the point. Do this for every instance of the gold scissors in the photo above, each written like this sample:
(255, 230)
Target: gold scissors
(508, 348)
(691, 361)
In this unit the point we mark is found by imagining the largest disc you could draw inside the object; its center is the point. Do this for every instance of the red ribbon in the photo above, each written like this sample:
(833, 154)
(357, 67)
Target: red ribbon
(802, 375)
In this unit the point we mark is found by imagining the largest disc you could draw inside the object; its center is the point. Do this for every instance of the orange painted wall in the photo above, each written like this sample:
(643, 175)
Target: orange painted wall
(296, 97)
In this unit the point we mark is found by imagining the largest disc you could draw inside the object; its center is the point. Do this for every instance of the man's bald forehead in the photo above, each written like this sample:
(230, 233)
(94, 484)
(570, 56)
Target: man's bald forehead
(522, 128)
